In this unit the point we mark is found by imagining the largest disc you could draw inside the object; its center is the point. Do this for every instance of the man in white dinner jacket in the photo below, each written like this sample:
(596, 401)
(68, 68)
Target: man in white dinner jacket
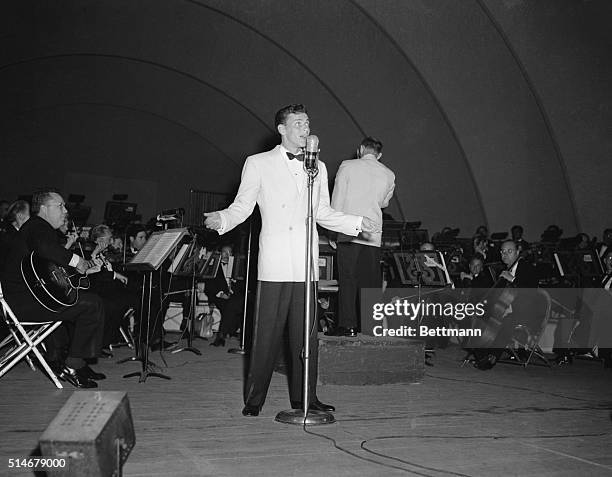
(276, 181)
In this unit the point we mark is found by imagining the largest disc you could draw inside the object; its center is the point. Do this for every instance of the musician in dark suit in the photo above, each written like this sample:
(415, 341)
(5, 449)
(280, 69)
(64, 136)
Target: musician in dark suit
(18, 214)
(520, 275)
(80, 337)
(477, 278)
(226, 294)
(137, 236)
(110, 285)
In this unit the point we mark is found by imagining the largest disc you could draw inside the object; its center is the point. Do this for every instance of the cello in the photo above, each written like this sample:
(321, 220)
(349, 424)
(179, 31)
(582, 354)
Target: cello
(498, 300)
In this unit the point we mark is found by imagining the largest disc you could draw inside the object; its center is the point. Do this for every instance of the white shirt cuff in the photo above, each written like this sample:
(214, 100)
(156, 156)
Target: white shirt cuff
(221, 229)
(358, 225)
(74, 261)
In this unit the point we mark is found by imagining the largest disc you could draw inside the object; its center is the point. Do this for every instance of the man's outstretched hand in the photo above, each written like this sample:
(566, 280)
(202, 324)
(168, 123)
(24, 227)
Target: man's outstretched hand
(212, 220)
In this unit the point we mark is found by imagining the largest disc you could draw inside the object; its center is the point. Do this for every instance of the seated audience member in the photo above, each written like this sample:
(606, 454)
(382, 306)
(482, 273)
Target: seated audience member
(80, 336)
(521, 276)
(227, 295)
(110, 286)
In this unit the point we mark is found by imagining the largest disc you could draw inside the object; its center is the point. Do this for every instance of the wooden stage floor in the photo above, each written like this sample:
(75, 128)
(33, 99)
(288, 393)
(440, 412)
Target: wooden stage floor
(458, 421)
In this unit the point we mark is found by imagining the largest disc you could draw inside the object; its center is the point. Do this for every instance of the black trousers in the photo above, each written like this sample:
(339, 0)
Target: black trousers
(82, 331)
(280, 305)
(358, 267)
(117, 300)
(232, 311)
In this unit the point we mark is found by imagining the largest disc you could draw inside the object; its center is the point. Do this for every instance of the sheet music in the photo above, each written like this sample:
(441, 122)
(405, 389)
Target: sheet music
(179, 256)
(156, 250)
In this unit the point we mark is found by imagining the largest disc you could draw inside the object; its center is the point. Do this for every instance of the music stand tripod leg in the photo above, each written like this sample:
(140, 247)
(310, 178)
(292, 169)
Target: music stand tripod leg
(192, 315)
(146, 363)
(138, 342)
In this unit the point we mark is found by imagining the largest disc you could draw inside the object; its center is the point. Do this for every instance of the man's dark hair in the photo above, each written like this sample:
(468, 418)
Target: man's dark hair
(15, 208)
(517, 227)
(41, 197)
(371, 145)
(135, 229)
(282, 114)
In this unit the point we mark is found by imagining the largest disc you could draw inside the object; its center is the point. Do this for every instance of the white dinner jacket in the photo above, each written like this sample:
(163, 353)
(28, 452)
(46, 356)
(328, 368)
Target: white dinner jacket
(363, 186)
(282, 196)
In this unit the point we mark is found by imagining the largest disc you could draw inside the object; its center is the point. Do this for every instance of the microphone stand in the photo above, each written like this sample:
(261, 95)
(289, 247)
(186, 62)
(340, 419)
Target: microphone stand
(241, 350)
(305, 416)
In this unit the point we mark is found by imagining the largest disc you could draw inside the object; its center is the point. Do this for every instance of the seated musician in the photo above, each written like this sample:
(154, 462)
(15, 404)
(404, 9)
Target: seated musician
(226, 294)
(18, 214)
(517, 236)
(476, 278)
(110, 285)
(137, 237)
(520, 275)
(80, 337)
(606, 244)
(606, 282)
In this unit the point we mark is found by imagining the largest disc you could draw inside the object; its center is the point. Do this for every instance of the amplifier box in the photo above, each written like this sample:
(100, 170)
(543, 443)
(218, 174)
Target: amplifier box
(93, 433)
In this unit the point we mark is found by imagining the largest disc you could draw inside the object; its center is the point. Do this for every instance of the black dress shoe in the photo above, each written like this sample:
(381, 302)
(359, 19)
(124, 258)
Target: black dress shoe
(72, 376)
(316, 405)
(351, 332)
(87, 372)
(218, 341)
(251, 410)
(486, 362)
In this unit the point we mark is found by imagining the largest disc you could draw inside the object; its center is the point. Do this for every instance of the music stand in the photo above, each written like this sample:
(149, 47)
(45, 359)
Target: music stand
(414, 270)
(147, 260)
(193, 261)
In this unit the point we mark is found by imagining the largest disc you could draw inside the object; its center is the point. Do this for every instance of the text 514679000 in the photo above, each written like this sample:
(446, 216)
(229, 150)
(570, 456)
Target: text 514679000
(36, 463)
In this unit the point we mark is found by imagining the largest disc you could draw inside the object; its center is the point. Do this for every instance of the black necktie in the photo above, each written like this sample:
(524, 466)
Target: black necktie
(299, 157)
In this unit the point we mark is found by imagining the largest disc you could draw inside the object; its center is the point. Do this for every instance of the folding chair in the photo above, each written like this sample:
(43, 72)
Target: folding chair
(527, 337)
(23, 341)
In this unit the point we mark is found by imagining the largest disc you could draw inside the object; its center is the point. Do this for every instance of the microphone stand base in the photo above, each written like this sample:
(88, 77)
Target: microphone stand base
(239, 351)
(313, 418)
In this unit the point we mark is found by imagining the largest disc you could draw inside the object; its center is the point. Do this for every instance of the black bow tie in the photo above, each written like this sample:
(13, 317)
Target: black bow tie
(299, 157)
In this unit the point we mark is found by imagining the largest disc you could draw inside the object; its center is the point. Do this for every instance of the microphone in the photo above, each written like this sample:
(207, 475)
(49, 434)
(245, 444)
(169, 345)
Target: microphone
(311, 155)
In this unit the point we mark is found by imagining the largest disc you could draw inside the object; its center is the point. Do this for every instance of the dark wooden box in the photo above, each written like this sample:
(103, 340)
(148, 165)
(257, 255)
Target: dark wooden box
(370, 360)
